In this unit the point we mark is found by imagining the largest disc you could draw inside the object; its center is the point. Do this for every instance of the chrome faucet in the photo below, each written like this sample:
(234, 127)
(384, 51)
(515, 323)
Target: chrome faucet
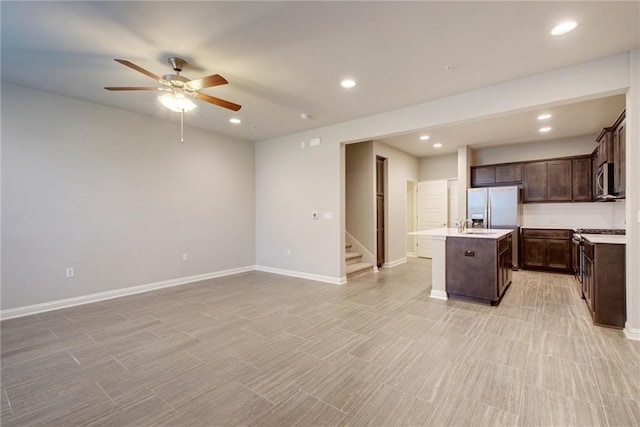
(463, 225)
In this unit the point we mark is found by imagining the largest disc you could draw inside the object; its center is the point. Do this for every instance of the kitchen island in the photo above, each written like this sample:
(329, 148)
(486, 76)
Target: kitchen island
(474, 264)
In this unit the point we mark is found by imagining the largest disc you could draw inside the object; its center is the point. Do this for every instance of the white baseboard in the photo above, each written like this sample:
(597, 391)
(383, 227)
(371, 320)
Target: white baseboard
(632, 333)
(439, 295)
(412, 255)
(395, 263)
(116, 293)
(317, 277)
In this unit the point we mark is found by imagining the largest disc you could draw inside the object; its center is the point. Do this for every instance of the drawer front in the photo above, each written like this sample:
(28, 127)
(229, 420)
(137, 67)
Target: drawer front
(546, 233)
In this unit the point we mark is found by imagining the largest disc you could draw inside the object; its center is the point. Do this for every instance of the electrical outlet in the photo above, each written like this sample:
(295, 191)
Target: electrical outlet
(70, 272)
(185, 257)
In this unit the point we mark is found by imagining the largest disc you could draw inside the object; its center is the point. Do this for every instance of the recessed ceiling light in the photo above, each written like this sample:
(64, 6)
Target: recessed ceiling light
(564, 28)
(545, 129)
(235, 120)
(437, 145)
(348, 83)
(424, 137)
(544, 116)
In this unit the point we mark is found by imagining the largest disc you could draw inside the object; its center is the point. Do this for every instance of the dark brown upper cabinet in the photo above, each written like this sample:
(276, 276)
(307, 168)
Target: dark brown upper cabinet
(548, 181)
(619, 161)
(581, 179)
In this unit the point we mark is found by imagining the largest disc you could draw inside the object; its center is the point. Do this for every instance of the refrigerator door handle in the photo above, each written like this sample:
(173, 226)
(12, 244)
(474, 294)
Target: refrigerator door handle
(487, 212)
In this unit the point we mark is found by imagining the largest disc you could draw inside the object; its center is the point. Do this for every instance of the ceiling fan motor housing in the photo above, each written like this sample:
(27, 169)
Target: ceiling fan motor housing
(177, 63)
(176, 80)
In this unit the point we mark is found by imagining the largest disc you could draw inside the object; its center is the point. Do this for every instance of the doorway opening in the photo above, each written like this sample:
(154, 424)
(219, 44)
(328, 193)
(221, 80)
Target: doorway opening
(380, 217)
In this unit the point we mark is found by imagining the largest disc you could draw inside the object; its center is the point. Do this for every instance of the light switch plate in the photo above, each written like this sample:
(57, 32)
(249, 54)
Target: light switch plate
(314, 142)
(328, 215)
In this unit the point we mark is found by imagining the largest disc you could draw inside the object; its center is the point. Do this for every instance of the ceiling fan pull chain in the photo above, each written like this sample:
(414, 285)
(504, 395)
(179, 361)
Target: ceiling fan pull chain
(181, 126)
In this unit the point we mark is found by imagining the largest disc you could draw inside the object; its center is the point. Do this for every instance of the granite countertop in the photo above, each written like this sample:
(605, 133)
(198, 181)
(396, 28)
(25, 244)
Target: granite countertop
(550, 227)
(605, 238)
(473, 233)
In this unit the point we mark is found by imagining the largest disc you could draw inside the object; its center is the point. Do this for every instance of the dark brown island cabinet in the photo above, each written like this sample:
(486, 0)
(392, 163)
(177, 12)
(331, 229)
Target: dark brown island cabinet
(604, 283)
(547, 249)
(478, 269)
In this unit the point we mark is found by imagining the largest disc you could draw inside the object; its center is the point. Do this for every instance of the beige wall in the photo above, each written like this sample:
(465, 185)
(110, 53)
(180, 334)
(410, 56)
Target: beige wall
(116, 196)
(435, 168)
(360, 193)
(535, 150)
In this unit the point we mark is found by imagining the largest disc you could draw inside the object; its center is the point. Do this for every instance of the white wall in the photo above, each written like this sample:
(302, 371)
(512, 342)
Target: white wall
(437, 168)
(291, 183)
(574, 215)
(400, 167)
(538, 150)
(116, 196)
(282, 156)
(360, 194)
(632, 213)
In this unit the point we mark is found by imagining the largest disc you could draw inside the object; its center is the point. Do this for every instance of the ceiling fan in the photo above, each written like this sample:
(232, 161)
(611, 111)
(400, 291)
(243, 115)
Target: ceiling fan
(178, 88)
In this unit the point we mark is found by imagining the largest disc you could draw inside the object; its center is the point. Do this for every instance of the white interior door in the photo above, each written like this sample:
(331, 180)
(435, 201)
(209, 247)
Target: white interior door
(452, 202)
(432, 211)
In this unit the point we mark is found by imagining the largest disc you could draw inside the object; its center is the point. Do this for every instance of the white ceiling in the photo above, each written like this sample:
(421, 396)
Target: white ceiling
(286, 58)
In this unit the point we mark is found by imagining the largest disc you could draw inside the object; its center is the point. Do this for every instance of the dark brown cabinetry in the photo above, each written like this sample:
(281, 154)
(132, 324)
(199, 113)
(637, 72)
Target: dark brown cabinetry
(605, 146)
(546, 249)
(478, 269)
(619, 166)
(604, 283)
(548, 181)
(559, 179)
(505, 174)
(535, 182)
(551, 180)
(581, 179)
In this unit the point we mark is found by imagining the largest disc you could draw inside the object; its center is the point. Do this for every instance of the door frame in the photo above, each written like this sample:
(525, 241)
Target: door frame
(411, 204)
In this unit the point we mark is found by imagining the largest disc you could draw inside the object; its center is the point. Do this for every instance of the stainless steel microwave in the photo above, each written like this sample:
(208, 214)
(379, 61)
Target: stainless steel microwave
(604, 182)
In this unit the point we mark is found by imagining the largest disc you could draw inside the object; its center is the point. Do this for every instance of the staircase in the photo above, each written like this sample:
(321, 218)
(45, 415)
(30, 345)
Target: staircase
(355, 266)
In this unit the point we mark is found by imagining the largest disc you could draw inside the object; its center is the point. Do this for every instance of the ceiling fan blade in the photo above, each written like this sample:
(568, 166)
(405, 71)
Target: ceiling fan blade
(217, 101)
(209, 81)
(132, 88)
(140, 70)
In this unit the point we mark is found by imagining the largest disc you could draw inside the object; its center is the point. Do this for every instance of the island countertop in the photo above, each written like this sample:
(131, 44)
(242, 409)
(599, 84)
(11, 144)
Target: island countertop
(473, 233)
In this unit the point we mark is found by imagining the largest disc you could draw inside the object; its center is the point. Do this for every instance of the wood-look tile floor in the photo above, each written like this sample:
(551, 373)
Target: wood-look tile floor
(262, 349)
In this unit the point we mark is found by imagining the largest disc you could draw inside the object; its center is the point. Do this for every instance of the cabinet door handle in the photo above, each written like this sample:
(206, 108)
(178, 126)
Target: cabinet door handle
(469, 253)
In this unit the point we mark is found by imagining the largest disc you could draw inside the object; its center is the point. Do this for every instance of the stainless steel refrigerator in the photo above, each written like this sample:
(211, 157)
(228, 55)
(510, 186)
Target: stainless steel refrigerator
(496, 207)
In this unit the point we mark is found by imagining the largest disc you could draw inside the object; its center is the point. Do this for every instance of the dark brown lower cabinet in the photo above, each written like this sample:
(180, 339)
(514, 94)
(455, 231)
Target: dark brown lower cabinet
(478, 269)
(547, 249)
(604, 283)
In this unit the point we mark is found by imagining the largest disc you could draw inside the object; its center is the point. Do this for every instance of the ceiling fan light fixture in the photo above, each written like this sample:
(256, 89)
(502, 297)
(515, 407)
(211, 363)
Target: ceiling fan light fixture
(177, 102)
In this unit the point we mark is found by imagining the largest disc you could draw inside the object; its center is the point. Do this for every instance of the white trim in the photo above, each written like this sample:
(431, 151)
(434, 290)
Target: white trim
(395, 263)
(356, 246)
(632, 333)
(439, 295)
(317, 277)
(412, 255)
(116, 293)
